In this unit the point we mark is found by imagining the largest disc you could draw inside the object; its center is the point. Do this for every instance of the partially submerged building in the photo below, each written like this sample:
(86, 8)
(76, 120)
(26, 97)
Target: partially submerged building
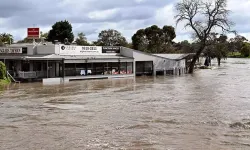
(62, 63)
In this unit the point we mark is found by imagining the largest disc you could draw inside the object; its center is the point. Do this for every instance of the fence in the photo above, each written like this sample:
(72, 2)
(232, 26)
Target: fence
(27, 75)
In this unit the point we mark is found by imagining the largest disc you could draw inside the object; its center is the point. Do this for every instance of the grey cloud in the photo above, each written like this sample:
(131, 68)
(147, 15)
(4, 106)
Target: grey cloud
(87, 29)
(91, 5)
(50, 15)
(11, 7)
(129, 16)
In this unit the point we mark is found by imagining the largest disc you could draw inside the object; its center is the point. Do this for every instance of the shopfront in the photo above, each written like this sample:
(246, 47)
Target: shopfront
(105, 68)
(95, 60)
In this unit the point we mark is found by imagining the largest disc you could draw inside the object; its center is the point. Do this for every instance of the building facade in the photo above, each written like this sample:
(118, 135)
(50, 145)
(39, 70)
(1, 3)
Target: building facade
(50, 61)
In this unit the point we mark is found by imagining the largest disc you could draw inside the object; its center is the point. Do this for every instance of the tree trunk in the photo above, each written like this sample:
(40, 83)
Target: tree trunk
(219, 59)
(195, 58)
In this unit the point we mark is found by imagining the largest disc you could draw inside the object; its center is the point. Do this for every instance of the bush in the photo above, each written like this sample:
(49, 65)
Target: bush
(3, 73)
(245, 50)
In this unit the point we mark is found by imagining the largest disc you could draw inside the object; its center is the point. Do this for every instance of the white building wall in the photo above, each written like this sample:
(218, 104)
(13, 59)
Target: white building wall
(127, 52)
(30, 50)
(45, 49)
(57, 49)
(160, 64)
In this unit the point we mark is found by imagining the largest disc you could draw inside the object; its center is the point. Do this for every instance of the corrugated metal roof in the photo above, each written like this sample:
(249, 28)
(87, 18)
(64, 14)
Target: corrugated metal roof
(172, 56)
(20, 44)
(29, 44)
(59, 57)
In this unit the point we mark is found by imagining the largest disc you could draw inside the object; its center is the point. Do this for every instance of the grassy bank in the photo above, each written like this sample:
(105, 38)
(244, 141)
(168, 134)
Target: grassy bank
(4, 79)
(4, 82)
(236, 55)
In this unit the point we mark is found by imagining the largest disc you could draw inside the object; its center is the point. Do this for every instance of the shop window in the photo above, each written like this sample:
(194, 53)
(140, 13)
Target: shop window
(123, 68)
(37, 66)
(99, 68)
(70, 70)
(24, 50)
(91, 69)
(130, 68)
(115, 67)
(148, 67)
(80, 69)
(107, 68)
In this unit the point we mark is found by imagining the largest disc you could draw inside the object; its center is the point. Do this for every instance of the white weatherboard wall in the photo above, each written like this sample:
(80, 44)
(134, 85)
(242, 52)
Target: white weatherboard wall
(160, 63)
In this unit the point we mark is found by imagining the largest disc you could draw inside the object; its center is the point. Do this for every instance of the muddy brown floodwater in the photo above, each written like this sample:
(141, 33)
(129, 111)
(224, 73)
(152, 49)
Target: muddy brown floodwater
(209, 110)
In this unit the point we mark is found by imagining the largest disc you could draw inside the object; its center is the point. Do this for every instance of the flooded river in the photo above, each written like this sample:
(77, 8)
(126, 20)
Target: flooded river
(209, 110)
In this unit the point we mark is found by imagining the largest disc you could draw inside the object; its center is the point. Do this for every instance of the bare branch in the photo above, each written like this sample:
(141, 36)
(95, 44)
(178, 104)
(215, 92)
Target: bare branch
(203, 17)
(187, 10)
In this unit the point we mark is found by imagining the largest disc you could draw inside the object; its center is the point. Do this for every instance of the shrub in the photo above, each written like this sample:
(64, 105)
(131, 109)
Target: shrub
(2, 71)
(245, 50)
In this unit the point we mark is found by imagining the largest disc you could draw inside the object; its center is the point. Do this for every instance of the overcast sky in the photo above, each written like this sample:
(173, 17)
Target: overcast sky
(92, 16)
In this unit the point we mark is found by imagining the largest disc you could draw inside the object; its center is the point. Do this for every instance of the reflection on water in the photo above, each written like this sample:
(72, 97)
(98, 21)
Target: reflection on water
(207, 110)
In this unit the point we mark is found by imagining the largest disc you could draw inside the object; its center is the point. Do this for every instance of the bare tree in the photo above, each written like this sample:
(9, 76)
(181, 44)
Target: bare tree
(203, 17)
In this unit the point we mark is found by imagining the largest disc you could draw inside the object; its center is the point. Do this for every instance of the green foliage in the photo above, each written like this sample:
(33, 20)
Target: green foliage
(1, 43)
(60, 31)
(25, 40)
(82, 40)
(218, 47)
(3, 74)
(245, 50)
(234, 54)
(6, 38)
(111, 37)
(185, 47)
(44, 35)
(140, 41)
(237, 42)
(2, 71)
(154, 39)
(168, 33)
(4, 82)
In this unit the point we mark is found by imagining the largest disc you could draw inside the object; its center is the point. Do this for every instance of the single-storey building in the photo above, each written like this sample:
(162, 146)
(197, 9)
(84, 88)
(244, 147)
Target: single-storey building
(71, 62)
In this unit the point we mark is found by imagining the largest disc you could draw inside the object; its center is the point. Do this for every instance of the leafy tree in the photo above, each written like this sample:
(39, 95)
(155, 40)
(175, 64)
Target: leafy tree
(60, 31)
(221, 49)
(3, 74)
(129, 45)
(6, 38)
(140, 41)
(184, 47)
(245, 50)
(82, 40)
(154, 39)
(203, 17)
(168, 34)
(44, 35)
(236, 43)
(1, 43)
(218, 47)
(111, 37)
(239, 41)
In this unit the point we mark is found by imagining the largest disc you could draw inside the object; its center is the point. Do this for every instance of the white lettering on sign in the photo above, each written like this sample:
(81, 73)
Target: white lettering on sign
(7, 50)
(80, 50)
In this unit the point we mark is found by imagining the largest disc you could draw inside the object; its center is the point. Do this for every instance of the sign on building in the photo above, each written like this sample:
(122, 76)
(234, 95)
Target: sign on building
(33, 33)
(80, 50)
(10, 50)
(111, 49)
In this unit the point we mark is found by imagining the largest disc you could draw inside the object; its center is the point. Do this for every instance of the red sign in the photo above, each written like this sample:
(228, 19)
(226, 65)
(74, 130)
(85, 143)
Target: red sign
(33, 33)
